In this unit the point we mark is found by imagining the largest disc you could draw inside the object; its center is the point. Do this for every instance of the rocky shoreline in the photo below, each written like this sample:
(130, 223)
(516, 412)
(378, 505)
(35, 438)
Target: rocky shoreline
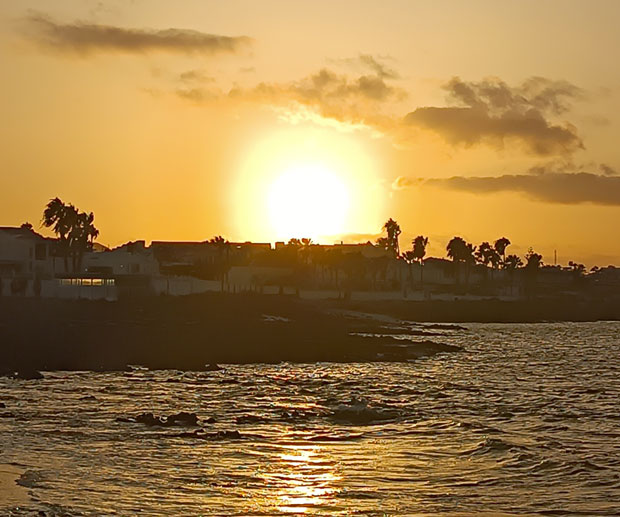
(199, 331)
(196, 333)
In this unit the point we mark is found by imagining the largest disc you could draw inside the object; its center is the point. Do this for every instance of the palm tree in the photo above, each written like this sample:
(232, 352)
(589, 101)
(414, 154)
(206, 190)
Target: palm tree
(533, 262)
(57, 215)
(511, 264)
(391, 241)
(488, 255)
(81, 237)
(500, 246)
(461, 251)
(75, 230)
(419, 251)
(223, 247)
(409, 258)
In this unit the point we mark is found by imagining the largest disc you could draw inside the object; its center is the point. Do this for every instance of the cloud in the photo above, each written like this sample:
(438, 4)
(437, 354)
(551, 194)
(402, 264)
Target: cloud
(328, 87)
(556, 187)
(353, 101)
(87, 38)
(492, 112)
(402, 183)
(195, 76)
(607, 170)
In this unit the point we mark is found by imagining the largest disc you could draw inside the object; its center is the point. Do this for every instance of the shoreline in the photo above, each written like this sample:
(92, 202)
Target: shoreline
(191, 332)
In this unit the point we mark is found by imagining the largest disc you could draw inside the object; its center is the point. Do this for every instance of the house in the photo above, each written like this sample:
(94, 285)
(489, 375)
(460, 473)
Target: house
(26, 259)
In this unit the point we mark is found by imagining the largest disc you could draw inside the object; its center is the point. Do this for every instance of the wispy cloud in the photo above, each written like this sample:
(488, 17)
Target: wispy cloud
(494, 113)
(556, 187)
(84, 38)
(356, 100)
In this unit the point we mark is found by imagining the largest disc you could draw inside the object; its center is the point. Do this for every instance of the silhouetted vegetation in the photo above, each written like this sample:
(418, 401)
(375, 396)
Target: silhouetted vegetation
(75, 230)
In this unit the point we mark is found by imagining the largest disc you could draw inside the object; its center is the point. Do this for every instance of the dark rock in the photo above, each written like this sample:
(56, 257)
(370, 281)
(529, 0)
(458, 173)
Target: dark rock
(26, 375)
(212, 367)
(149, 420)
(2, 405)
(183, 418)
(358, 412)
(249, 419)
(201, 435)
(179, 419)
(210, 420)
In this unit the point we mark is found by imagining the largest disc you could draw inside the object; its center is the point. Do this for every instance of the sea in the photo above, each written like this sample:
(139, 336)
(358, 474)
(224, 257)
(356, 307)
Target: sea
(524, 421)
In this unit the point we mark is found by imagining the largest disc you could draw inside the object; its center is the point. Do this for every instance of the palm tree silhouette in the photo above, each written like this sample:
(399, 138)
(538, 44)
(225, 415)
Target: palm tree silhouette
(75, 230)
(500, 246)
(533, 262)
(223, 247)
(390, 242)
(461, 252)
(511, 264)
(57, 215)
(419, 251)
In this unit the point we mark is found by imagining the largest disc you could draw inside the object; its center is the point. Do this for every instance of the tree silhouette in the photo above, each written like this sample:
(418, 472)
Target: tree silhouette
(419, 252)
(75, 230)
(461, 252)
(223, 263)
(578, 270)
(500, 246)
(533, 262)
(390, 242)
(511, 264)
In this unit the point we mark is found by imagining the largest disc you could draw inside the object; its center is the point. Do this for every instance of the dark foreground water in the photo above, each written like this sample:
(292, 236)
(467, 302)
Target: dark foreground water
(525, 421)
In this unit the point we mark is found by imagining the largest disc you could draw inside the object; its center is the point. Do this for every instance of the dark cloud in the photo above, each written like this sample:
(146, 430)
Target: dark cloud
(555, 187)
(87, 38)
(608, 170)
(492, 112)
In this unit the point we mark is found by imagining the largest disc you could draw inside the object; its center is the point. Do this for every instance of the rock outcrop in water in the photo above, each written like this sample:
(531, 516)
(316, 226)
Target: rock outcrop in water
(179, 419)
(187, 333)
(359, 412)
(203, 435)
(26, 374)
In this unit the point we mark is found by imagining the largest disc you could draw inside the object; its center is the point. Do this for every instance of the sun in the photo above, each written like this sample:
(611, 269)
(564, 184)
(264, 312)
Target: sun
(308, 200)
(305, 183)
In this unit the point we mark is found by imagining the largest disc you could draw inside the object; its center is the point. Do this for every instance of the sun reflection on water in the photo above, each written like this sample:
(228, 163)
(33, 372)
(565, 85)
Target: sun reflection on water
(305, 479)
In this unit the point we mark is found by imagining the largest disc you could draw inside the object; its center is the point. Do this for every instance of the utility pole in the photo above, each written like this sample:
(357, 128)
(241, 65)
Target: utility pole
(555, 257)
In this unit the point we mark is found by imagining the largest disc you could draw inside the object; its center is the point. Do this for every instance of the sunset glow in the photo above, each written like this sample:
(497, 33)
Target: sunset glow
(308, 200)
(409, 112)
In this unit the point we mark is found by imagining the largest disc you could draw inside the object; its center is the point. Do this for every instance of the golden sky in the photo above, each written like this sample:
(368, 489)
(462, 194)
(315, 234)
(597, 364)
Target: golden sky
(277, 119)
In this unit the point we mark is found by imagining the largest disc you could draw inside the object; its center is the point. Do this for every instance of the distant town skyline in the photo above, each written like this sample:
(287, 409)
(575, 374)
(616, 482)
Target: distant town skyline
(272, 120)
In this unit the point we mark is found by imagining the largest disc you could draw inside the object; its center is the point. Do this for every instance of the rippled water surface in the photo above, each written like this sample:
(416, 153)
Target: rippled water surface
(525, 421)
